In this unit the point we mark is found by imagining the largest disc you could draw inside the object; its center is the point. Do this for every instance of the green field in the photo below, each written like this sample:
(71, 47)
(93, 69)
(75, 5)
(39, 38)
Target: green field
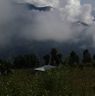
(62, 81)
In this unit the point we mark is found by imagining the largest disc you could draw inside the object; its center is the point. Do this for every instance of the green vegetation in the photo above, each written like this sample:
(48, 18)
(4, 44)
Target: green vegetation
(73, 75)
(62, 81)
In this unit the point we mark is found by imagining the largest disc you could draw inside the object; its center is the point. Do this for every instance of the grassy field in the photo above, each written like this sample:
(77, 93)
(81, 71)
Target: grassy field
(62, 81)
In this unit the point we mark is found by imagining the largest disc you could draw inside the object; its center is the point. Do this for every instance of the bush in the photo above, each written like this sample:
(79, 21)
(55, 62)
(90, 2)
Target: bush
(5, 68)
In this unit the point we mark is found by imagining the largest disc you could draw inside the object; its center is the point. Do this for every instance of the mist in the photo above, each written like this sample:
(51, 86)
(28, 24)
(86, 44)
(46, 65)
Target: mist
(68, 22)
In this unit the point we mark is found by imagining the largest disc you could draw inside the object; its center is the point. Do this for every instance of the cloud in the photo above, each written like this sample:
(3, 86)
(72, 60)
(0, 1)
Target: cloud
(18, 23)
(6, 15)
(69, 9)
(86, 15)
(57, 24)
(5, 10)
(40, 3)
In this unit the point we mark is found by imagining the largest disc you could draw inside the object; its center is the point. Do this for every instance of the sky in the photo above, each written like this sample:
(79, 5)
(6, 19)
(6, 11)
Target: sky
(69, 22)
(92, 2)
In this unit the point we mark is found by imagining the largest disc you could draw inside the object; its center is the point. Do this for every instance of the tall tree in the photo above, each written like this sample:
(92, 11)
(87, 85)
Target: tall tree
(56, 57)
(73, 58)
(87, 58)
(94, 60)
(46, 59)
(59, 59)
(53, 53)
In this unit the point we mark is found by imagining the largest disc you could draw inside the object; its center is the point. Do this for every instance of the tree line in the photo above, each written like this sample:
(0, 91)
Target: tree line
(73, 59)
(54, 57)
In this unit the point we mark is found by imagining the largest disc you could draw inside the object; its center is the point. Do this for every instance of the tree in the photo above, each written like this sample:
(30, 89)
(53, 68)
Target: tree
(46, 59)
(73, 58)
(5, 67)
(53, 56)
(56, 57)
(94, 60)
(87, 58)
(26, 61)
(59, 59)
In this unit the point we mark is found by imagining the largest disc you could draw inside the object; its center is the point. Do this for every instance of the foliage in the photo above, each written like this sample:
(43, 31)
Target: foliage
(46, 59)
(73, 59)
(26, 61)
(87, 58)
(62, 81)
(5, 67)
(94, 60)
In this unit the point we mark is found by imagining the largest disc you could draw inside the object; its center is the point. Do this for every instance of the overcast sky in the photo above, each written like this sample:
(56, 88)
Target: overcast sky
(89, 1)
(19, 24)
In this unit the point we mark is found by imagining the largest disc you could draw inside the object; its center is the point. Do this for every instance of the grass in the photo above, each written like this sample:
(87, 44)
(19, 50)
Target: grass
(62, 81)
